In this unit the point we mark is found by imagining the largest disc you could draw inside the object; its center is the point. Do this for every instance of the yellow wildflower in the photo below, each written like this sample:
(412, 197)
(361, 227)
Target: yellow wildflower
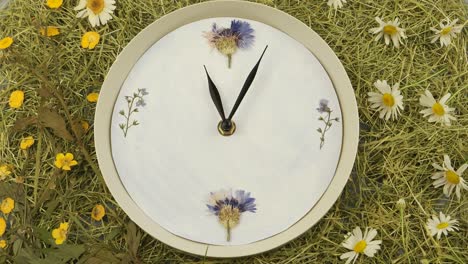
(98, 212)
(85, 125)
(4, 171)
(49, 31)
(26, 142)
(16, 99)
(90, 40)
(60, 234)
(5, 43)
(92, 97)
(3, 243)
(7, 205)
(65, 161)
(2, 226)
(54, 3)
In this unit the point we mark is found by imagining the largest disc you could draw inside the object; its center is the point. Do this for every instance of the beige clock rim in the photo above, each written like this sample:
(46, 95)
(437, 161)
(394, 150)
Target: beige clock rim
(225, 8)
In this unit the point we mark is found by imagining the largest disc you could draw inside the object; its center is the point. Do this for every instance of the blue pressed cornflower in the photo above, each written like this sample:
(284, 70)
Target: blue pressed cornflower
(228, 208)
(228, 40)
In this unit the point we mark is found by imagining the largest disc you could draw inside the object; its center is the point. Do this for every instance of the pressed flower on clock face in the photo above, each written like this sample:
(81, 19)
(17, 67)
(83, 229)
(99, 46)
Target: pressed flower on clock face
(54, 3)
(446, 32)
(360, 244)
(229, 208)
(442, 224)
(97, 11)
(5, 171)
(2, 226)
(388, 101)
(336, 3)
(60, 234)
(92, 97)
(26, 142)
(90, 40)
(390, 31)
(49, 31)
(438, 111)
(450, 178)
(7, 205)
(98, 212)
(16, 99)
(5, 43)
(65, 161)
(229, 40)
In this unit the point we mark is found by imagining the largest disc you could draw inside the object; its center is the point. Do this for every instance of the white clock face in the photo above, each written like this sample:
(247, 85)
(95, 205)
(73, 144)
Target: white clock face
(283, 152)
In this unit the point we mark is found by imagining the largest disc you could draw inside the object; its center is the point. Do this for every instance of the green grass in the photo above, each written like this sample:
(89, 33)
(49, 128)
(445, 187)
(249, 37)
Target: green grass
(394, 158)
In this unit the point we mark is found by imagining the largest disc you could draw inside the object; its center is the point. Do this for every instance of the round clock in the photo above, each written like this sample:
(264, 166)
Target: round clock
(226, 128)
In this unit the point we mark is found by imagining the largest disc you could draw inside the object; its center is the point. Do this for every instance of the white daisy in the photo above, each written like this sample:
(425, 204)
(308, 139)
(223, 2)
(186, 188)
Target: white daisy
(449, 177)
(401, 204)
(439, 112)
(441, 225)
(336, 3)
(360, 244)
(389, 101)
(97, 11)
(390, 31)
(446, 32)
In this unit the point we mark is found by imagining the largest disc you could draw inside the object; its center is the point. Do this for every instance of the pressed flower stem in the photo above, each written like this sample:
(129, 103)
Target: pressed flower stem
(38, 163)
(229, 61)
(403, 235)
(228, 227)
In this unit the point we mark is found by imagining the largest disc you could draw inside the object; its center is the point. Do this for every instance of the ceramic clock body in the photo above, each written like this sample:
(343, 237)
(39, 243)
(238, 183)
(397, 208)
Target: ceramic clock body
(170, 155)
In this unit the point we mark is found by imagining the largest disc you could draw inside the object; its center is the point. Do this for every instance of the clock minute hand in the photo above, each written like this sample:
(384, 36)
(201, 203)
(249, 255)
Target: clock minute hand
(247, 84)
(214, 93)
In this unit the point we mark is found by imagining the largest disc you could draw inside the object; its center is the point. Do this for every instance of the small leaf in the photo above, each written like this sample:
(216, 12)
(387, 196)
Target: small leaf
(17, 246)
(23, 123)
(44, 92)
(122, 112)
(319, 130)
(122, 126)
(78, 128)
(133, 238)
(53, 120)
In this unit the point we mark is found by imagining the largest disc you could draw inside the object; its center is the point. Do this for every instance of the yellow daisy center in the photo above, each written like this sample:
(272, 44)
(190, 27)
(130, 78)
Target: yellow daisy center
(96, 6)
(390, 29)
(452, 177)
(442, 225)
(446, 31)
(360, 246)
(438, 109)
(388, 99)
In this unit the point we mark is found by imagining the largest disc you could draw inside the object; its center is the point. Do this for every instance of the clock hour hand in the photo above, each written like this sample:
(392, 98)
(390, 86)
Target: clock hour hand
(247, 84)
(214, 93)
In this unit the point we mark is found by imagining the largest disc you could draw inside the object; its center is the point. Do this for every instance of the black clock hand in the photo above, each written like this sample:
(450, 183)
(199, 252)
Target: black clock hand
(215, 96)
(246, 86)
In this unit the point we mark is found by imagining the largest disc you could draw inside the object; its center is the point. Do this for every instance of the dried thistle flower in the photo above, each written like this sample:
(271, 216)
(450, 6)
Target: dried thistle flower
(229, 40)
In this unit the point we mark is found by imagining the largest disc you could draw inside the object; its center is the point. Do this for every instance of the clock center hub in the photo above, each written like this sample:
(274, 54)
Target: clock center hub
(226, 127)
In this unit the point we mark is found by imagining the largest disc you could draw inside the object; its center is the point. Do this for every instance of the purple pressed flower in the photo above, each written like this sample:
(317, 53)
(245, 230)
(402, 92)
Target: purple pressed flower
(228, 208)
(141, 103)
(323, 106)
(228, 40)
